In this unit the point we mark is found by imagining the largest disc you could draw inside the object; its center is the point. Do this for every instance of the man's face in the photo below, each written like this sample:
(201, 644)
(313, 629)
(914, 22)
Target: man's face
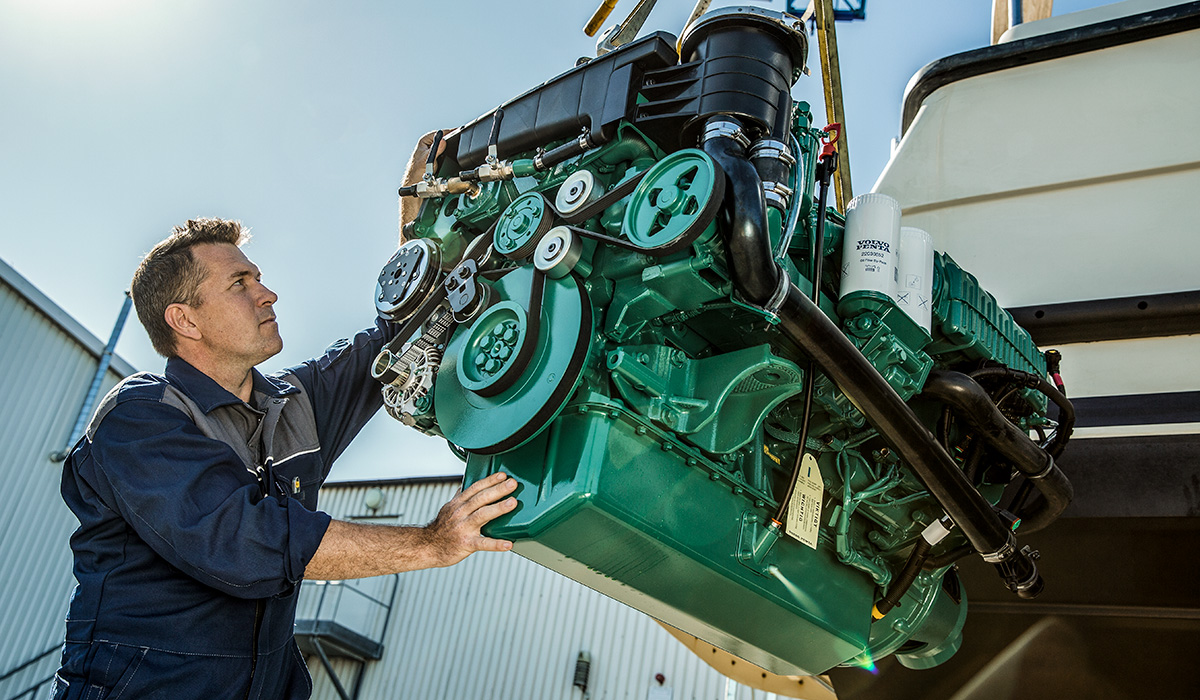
(236, 316)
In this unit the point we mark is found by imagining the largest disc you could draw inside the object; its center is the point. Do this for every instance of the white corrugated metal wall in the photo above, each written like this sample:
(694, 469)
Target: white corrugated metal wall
(499, 627)
(47, 361)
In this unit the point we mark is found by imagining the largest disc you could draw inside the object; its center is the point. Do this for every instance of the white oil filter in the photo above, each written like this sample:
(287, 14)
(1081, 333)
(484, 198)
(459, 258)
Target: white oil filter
(869, 247)
(914, 284)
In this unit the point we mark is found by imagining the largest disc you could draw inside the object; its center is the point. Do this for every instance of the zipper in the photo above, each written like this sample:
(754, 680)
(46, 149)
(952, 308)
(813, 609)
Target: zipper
(258, 617)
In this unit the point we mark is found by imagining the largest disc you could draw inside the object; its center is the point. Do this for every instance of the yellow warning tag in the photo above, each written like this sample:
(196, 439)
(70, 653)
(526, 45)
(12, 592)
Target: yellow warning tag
(804, 510)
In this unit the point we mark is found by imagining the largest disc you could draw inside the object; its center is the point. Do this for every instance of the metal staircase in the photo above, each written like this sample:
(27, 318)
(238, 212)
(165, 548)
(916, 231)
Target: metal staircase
(345, 619)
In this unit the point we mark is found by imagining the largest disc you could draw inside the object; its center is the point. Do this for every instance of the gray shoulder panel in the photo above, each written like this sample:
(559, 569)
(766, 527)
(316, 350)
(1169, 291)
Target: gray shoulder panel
(296, 433)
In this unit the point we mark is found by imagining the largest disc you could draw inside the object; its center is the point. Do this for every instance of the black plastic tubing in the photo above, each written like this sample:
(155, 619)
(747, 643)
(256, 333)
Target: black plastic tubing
(972, 403)
(744, 214)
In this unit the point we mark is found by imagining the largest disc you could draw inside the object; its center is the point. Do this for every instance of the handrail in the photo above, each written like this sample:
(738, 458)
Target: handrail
(387, 603)
(30, 662)
(31, 691)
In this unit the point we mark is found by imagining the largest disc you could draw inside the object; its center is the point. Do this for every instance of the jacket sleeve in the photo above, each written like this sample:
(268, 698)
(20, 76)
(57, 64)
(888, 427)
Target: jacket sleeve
(343, 393)
(193, 501)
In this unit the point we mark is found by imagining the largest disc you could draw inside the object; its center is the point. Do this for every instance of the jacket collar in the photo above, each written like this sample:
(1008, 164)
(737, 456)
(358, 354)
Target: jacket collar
(208, 394)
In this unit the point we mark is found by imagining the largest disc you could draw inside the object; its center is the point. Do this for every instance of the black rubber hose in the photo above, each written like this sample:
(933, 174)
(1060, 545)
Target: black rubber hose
(975, 407)
(904, 580)
(494, 134)
(972, 404)
(433, 148)
(772, 169)
(948, 557)
(744, 213)
(1057, 493)
(569, 150)
(972, 461)
(1066, 415)
(810, 329)
(824, 169)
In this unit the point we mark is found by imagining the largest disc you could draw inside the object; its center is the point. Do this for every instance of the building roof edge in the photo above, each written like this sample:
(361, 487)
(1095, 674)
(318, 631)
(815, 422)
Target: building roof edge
(61, 318)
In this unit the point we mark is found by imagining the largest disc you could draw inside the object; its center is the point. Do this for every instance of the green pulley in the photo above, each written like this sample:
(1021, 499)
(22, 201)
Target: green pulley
(494, 342)
(522, 226)
(475, 409)
(675, 202)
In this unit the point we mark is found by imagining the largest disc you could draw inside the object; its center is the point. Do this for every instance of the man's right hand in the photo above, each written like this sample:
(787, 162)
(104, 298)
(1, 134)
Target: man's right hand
(413, 173)
(455, 532)
(358, 550)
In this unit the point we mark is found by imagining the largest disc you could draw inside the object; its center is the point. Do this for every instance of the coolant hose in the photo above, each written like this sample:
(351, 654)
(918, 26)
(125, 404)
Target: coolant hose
(904, 581)
(1066, 411)
(755, 273)
(972, 403)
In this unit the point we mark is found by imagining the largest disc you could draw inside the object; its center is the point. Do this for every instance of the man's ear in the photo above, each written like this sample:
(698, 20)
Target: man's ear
(179, 318)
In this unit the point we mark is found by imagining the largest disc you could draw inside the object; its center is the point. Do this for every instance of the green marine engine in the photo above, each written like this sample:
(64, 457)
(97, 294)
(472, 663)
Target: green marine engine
(769, 424)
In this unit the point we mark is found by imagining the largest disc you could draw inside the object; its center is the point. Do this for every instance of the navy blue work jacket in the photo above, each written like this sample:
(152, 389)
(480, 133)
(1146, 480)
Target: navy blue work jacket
(197, 516)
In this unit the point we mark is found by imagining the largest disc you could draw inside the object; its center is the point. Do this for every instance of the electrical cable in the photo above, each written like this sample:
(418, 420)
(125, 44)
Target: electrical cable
(825, 170)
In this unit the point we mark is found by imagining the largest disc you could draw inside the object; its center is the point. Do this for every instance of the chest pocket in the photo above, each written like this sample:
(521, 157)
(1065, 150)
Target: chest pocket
(294, 450)
(300, 478)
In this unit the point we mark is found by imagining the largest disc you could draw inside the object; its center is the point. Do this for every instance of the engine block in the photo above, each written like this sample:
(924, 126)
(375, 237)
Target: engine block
(613, 292)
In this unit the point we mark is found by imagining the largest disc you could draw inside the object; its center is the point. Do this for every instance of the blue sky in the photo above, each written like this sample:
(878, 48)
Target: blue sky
(121, 118)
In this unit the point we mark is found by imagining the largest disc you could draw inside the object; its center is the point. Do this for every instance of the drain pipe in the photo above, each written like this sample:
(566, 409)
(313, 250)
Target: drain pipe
(85, 411)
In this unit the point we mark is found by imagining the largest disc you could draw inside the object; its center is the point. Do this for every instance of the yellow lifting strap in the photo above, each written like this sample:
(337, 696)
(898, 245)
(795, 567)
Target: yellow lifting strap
(831, 77)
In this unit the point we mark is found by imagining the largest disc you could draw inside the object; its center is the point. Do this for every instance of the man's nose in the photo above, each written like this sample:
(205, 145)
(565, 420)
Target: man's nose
(267, 296)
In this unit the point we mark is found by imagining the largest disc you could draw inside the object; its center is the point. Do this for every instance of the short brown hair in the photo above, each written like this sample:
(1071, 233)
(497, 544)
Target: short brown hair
(170, 275)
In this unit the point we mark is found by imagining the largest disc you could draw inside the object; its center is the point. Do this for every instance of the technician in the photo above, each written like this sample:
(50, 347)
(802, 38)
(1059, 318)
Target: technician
(196, 492)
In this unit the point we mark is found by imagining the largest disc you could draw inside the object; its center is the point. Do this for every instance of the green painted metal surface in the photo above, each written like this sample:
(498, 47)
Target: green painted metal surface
(611, 499)
(674, 201)
(518, 226)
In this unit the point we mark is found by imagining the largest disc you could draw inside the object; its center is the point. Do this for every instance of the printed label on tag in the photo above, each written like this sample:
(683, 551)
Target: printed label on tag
(804, 510)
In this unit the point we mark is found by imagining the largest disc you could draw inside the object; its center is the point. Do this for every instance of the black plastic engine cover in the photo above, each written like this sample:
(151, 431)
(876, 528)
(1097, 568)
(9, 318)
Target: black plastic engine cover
(595, 96)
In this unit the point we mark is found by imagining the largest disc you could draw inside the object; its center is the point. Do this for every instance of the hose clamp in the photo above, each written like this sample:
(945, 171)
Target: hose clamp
(778, 195)
(723, 129)
(781, 291)
(1008, 551)
(775, 150)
